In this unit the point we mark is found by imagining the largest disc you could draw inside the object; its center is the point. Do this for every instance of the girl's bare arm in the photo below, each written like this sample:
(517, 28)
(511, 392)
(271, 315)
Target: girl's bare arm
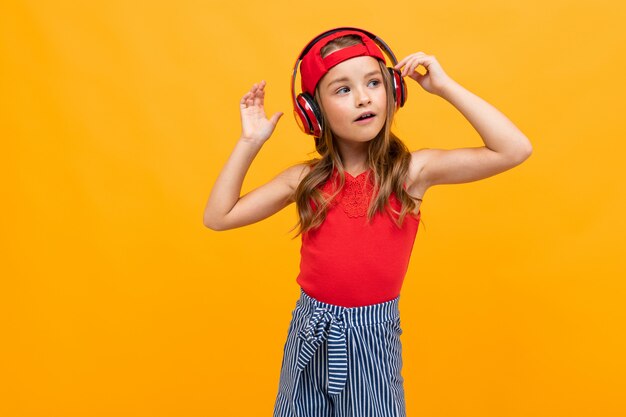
(226, 209)
(505, 145)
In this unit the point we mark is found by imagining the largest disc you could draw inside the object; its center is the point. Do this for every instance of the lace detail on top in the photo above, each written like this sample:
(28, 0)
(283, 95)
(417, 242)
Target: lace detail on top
(356, 193)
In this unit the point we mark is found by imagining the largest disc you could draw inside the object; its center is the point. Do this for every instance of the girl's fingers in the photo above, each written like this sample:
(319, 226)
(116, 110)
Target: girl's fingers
(256, 99)
(260, 94)
(244, 100)
(255, 96)
(276, 117)
(408, 60)
(402, 62)
(407, 67)
(414, 66)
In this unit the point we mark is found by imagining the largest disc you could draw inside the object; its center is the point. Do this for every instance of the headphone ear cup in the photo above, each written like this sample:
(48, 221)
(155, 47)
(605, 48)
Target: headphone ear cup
(308, 115)
(399, 87)
(300, 115)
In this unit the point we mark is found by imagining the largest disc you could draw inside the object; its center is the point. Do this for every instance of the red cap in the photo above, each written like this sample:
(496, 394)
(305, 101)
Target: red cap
(313, 67)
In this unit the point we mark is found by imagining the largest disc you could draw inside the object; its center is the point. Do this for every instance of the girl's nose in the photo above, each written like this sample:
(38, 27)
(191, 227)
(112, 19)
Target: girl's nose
(362, 97)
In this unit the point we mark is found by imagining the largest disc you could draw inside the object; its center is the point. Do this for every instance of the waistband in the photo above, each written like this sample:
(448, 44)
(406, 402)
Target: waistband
(354, 316)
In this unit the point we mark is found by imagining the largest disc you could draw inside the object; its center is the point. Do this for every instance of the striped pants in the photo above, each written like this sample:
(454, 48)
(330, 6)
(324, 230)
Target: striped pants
(342, 362)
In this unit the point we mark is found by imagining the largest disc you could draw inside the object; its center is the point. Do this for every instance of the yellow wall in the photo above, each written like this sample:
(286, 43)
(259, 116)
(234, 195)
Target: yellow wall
(117, 116)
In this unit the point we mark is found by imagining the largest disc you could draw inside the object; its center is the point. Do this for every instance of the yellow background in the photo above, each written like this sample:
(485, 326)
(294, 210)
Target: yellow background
(117, 116)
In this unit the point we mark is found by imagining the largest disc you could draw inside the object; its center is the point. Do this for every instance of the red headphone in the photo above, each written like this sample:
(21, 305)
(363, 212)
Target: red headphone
(306, 111)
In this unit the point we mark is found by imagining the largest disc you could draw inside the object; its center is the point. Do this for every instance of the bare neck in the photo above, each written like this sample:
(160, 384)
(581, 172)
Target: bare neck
(353, 156)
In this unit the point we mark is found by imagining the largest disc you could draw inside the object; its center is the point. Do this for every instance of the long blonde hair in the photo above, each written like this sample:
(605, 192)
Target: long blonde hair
(388, 157)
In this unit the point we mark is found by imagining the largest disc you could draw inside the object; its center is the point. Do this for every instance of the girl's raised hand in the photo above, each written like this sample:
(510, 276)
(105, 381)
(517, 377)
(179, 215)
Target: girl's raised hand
(434, 81)
(254, 124)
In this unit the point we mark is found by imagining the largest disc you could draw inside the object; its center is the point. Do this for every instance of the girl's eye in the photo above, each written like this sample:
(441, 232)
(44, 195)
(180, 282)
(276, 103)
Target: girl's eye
(346, 89)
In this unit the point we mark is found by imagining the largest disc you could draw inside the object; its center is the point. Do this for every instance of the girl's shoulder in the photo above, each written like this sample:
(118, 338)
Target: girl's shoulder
(295, 174)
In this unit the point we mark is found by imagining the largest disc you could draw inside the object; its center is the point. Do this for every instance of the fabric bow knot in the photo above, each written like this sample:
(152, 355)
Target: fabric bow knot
(324, 325)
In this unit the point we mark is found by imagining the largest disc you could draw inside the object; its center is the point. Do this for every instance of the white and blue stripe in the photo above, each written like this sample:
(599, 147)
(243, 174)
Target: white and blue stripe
(342, 362)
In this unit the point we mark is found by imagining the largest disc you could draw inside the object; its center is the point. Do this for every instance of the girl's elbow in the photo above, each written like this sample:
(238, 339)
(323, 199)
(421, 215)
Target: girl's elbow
(213, 224)
(528, 149)
(527, 152)
(523, 154)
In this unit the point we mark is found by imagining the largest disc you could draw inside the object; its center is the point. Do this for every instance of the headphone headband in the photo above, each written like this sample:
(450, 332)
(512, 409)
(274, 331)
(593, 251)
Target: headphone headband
(306, 49)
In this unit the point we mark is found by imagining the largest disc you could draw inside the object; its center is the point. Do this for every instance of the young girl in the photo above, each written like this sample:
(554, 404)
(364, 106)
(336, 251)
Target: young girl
(359, 210)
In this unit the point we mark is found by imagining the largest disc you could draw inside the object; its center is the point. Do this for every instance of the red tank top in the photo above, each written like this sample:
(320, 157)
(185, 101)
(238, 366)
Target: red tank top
(347, 261)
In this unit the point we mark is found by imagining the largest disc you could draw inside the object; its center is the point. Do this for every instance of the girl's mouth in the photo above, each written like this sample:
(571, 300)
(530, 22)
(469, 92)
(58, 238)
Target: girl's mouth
(365, 120)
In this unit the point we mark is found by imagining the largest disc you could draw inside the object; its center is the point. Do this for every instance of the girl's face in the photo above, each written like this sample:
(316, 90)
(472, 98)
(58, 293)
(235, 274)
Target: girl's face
(349, 89)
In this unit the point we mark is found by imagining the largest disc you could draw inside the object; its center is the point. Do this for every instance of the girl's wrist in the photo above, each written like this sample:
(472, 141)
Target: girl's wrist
(251, 141)
(448, 89)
